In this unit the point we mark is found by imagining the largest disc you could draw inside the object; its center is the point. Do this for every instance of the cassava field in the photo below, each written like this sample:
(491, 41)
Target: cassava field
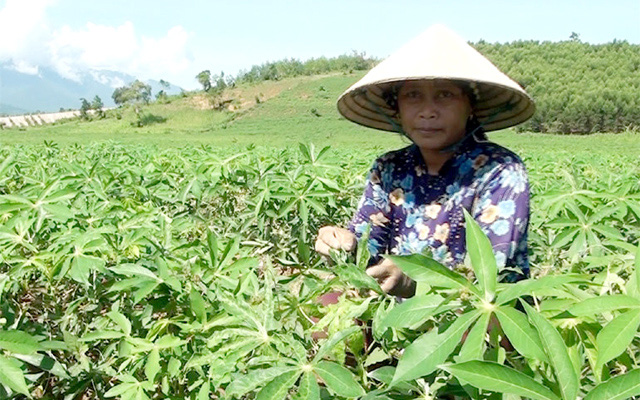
(175, 260)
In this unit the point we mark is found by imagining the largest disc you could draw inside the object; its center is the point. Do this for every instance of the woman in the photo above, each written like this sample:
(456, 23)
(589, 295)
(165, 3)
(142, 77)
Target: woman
(443, 95)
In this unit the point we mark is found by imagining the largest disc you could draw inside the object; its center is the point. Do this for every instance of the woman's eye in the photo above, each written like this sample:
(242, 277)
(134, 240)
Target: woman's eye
(445, 94)
(413, 94)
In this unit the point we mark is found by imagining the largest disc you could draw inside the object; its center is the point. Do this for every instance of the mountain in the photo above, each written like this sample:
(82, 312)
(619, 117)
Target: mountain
(48, 91)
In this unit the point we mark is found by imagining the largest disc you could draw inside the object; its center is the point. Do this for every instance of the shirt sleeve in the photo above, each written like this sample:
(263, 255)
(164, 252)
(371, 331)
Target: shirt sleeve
(374, 210)
(502, 211)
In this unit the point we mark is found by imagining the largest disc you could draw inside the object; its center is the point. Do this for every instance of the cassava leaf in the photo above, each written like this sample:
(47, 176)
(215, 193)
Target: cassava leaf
(338, 379)
(497, 378)
(616, 336)
(481, 256)
(557, 353)
(12, 376)
(423, 356)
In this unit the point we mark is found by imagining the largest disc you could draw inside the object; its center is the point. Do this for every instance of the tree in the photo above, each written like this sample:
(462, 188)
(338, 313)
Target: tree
(162, 94)
(137, 92)
(574, 37)
(84, 109)
(98, 106)
(204, 78)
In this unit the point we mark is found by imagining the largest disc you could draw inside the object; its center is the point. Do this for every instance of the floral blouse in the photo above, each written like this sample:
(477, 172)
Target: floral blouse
(411, 211)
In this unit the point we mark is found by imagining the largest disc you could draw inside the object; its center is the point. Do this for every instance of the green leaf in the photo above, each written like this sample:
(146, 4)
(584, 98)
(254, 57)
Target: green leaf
(173, 368)
(557, 353)
(12, 376)
(198, 305)
(134, 270)
(308, 388)
(203, 393)
(636, 265)
(621, 387)
(473, 347)
(101, 335)
(521, 334)
(212, 243)
(120, 320)
(122, 389)
(530, 286)
(338, 379)
(18, 342)
(495, 377)
(602, 304)
(412, 312)
(362, 251)
(633, 284)
(242, 384)
(424, 269)
(356, 277)
(45, 363)
(127, 284)
(616, 336)
(423, 356)
(330, 343)
(481, 256)
(278, 388)
(152, 367)
(167, 342)
(60, 195)
(229, 251)
(144, 290)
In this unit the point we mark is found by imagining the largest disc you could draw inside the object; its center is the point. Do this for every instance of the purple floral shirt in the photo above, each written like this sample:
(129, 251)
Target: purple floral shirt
(411, 211)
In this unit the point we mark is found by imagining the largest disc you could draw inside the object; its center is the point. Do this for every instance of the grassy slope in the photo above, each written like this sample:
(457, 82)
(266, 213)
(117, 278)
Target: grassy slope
(288, 114)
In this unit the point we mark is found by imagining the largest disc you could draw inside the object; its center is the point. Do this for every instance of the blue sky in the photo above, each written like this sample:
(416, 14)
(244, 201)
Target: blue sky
(175, 40)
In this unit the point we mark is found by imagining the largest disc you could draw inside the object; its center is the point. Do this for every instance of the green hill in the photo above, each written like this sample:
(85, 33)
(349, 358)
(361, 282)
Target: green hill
(578, 88)
(269, 113)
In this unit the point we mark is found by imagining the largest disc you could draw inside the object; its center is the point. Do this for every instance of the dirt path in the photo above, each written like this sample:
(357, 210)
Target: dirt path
(36, 119)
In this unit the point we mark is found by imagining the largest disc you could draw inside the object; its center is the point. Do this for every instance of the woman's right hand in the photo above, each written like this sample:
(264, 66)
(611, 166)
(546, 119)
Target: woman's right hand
(335, 238)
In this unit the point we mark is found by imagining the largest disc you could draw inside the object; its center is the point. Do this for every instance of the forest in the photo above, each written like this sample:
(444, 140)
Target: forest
(579, 88)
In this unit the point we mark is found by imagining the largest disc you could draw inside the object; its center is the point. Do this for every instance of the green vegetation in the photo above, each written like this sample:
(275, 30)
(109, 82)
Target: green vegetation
(578, 87)
(138, 271)
(175, 260)
(347, 63)
(291, 110)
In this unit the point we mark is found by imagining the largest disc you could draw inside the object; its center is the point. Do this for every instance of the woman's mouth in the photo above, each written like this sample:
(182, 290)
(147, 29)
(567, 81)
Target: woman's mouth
(428, 130)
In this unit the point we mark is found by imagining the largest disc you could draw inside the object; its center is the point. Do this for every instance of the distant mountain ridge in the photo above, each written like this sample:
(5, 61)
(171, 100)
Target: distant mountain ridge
(48, 91)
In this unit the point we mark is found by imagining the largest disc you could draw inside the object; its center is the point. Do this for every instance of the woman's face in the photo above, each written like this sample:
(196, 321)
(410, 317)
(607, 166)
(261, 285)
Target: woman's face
(433, 113)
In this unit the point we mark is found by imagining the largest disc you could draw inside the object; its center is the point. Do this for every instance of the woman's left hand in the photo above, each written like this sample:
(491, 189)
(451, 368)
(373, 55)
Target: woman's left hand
(391, 279)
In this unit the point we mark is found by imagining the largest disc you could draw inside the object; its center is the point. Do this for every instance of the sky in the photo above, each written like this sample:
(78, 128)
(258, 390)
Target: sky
(175, 40)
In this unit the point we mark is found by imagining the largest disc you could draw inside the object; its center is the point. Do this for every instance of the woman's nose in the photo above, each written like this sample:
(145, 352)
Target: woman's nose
(428, 109)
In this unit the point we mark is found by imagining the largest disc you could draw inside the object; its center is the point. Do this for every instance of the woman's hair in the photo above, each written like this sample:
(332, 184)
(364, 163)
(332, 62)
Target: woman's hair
(474, 127)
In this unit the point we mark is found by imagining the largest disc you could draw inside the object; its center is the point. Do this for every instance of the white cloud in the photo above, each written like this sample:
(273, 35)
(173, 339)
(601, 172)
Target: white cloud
(23, 33)
(119, 48)
(25, 68)
(75, 52)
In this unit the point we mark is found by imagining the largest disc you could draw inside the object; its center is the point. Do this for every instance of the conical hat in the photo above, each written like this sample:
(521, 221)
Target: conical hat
(438, 53)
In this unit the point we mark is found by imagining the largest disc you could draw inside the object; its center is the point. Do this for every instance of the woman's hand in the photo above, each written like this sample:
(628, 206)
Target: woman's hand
(391, 279)
(335, 238)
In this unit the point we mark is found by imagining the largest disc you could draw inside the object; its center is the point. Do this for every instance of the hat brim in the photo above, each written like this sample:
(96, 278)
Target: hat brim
(496, 106)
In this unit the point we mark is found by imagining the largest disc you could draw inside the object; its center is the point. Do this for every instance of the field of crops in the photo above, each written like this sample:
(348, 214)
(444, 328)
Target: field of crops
(145, 272)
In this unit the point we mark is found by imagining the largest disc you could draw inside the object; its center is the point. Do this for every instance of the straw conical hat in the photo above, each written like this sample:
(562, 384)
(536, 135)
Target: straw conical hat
(438, 53)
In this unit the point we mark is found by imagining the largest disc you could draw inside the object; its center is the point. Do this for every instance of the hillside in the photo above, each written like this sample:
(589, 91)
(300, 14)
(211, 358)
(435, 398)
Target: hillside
(290, 111)
(578, 88)
(287, 110)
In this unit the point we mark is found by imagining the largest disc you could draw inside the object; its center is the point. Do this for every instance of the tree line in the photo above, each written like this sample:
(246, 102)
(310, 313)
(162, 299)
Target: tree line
(287, 68)
(578, 87)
